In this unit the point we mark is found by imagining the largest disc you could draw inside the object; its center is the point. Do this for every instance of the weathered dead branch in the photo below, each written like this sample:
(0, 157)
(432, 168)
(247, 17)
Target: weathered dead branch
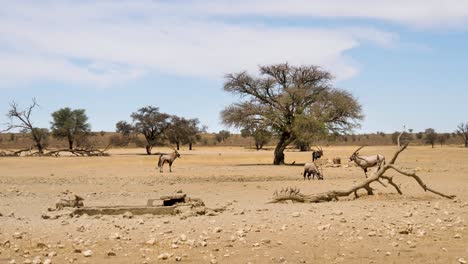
(84, 152)
(293, 194)
(14, 153)
(78, 152)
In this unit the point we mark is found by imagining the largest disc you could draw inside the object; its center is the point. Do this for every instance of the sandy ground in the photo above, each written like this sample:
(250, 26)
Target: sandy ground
(416, 227)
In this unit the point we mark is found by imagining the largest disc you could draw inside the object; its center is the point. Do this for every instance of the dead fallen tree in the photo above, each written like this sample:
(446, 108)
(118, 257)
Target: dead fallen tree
(91, 152)
(79, 152)
(14, 153)
(294, 194)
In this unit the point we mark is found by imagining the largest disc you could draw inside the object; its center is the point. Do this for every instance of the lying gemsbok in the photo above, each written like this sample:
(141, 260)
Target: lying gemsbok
(169, 158)
(366, 161)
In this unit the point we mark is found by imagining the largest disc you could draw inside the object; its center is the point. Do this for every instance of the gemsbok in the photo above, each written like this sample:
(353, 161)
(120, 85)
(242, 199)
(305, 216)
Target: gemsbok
(169, 158)
(311, 169)
(366, 161)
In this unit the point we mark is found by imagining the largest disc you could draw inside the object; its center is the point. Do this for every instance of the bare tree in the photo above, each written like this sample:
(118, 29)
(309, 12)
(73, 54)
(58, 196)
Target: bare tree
(442, 138)
(462, 131)
(24, 123)
(282, 94)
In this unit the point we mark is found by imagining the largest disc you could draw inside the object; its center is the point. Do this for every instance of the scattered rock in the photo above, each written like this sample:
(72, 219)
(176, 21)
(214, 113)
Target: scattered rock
(151, 242)
(462, 261)
(324, 227)
(69, 200)
(296, 214)
(87, 253)
(164, 256)
(127, 215)
(37, 260)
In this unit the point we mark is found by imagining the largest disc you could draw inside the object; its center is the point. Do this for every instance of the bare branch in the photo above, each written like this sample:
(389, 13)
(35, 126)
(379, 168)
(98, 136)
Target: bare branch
(366, 185)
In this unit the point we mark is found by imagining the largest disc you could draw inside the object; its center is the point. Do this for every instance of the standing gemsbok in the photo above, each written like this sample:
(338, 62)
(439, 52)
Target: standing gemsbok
(169, 158)
(366, 161)
(317, 154)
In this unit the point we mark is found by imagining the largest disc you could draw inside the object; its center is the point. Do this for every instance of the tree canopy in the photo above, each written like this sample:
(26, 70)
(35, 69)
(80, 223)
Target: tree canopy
(69, 124)
(430, 136)
(152, 124)
(287, 98)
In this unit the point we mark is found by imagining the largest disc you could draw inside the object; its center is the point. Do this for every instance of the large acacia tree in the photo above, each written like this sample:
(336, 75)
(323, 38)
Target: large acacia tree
(69, 124)
(288, 98)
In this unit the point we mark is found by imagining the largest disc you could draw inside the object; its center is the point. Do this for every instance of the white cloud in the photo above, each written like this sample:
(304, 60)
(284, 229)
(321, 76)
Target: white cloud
(417, 13)
(113, 41)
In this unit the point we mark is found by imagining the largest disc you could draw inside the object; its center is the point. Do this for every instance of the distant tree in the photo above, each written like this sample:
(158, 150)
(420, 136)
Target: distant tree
(177, 130)
(222, 135)
(281, 94)
(193, 132)
(419, 135)
(442, 138)
(311, 131)
(124, 137)
(68, 124)
(24, 123)
(124, 128)
(259, 133)
(430, 136)
(404, 138)
(462, 131)
(152, 124)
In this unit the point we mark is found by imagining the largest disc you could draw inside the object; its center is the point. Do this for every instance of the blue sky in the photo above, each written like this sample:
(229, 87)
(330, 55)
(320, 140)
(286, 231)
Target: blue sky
(405, 62)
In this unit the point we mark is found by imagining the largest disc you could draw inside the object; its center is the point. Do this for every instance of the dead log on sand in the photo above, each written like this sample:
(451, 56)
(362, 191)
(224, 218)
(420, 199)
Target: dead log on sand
(78, 152)
(294, 194)
(14, 153)
(83, 152)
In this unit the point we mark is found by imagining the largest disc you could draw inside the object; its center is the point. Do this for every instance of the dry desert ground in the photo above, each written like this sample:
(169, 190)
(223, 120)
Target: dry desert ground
(416, 227)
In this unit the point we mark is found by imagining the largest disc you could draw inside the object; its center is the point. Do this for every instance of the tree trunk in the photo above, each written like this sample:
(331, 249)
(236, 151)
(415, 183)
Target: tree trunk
(148, 149)
(432, 145)
(36, 139)
(466, 142)
(40, 148)
(178, 145)
(70, 143)
(283, 142)
(190, 146)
